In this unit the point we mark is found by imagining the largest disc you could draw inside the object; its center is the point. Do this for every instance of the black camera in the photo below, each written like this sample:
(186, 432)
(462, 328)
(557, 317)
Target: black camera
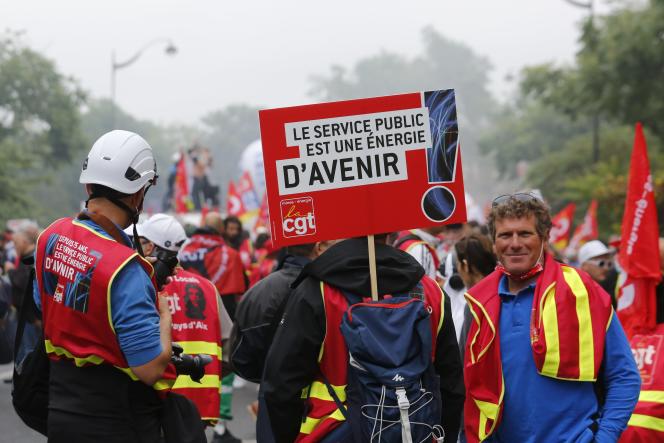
(192, 365)
(164, 265)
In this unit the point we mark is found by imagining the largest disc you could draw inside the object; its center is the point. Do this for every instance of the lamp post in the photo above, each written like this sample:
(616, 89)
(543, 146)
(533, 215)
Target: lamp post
(115, 65)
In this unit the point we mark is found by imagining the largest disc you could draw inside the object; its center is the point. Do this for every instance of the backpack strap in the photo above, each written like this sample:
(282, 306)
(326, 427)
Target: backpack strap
(335, 397)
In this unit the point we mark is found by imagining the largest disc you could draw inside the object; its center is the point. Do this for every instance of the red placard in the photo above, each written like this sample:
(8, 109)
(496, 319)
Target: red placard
(358, 167)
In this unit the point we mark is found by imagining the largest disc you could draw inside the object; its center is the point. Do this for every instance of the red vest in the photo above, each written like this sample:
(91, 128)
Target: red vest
(209, 256)
(323, 415)
(409, 244)
(195, 312)
(76, 267)
(569, 319)
(647, 421)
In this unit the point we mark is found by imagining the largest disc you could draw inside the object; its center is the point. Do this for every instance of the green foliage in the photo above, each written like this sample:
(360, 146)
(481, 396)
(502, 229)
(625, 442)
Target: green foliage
(39, 126)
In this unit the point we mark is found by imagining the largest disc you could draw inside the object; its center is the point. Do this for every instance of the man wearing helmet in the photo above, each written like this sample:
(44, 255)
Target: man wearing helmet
(106, 332)
(200, 321)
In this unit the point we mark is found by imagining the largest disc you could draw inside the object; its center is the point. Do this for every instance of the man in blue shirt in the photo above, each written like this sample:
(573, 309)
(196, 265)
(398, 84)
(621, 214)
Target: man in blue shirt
(556, 386)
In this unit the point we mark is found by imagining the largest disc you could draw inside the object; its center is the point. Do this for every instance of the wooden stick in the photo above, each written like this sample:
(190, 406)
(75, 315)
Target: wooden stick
(372, 267)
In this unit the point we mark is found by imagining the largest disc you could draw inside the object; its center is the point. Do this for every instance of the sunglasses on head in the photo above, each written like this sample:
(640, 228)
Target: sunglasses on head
(519, 196)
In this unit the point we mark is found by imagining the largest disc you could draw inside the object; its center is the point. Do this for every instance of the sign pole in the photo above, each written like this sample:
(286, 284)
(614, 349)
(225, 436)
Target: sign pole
(372, 267)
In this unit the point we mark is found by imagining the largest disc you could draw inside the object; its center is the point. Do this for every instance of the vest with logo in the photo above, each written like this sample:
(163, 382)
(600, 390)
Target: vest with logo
(323, 414)
(569, 319)
(195, 314)
(647, 421)
(209, 256)
(76, 267)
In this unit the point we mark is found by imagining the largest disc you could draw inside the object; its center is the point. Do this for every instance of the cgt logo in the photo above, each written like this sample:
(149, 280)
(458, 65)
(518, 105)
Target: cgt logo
(646, 349)
(297, 217)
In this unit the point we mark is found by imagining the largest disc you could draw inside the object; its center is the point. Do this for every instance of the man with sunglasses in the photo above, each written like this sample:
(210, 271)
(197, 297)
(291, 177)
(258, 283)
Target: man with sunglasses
(546, 358)
(597, 260)
(106, 332)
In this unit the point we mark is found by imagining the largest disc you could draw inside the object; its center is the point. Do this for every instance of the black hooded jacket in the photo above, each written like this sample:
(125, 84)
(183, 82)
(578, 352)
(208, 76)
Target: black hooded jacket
(292, 362)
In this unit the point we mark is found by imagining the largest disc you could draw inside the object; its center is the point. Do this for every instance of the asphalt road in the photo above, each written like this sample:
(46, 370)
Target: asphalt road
(12, 429)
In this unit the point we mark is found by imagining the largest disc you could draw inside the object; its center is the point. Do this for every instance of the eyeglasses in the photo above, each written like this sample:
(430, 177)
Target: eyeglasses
(603, 263)
(519, 196)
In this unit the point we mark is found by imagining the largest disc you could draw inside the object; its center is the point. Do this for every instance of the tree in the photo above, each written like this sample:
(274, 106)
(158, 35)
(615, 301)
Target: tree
(39, 125)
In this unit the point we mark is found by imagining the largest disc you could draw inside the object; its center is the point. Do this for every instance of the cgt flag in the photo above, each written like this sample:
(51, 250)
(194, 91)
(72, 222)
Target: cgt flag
(234, 205)
(639, 245)
(561, 227)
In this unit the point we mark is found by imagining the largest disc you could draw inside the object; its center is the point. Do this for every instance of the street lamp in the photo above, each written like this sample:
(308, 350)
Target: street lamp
(115, 65)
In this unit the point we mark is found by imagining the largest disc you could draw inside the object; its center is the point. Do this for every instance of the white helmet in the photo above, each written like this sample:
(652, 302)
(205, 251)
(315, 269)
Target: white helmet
(120, 160)
(164, 231)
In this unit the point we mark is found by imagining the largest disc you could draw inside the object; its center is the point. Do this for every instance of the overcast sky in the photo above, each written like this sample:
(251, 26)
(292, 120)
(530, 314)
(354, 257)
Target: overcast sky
(263, 52)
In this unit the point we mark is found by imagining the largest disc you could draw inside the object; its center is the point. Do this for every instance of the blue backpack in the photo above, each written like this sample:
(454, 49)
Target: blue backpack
(393, 392)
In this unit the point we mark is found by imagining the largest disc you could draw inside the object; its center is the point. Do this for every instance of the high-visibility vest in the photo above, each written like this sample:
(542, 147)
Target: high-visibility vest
(76, 267)
(647, 421)
(209, 256)
(410, 243)
(570, 316)
(323, 415)
(195, 316)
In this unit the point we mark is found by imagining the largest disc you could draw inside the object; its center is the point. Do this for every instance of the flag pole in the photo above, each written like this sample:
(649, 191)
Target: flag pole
(372, 267)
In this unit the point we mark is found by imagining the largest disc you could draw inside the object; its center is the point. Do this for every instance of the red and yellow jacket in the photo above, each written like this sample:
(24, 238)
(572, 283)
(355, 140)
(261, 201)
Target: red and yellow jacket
(76, 268)
(195, 315)
(323, 414)
(647, 422)
(569, 319)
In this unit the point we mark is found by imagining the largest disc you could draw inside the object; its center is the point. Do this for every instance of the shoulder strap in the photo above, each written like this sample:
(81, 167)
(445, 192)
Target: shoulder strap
(105, 223)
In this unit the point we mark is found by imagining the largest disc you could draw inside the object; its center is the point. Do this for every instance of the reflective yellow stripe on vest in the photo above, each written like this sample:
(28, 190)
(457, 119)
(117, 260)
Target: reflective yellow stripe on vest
(488, 411)
(79, 361)
(652, 396)
(208, 381)
(586, 341)
(549, 316)
(319, 390)
(200, 347)
(312, 423)
(646, 421)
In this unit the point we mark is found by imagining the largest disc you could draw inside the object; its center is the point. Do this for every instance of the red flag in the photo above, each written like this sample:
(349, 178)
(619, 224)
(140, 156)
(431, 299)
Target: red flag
(247, 192)
(181, 192)
(263, 215)
(561, 227)
(639, 245)
(587, 230)
(234, 205)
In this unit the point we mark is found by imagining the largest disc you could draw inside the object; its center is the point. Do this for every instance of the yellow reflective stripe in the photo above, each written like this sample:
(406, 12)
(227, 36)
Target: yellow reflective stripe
(319, 390)
(310, 423)
(652, 396)
(98, 234)
(200, 347)
(488, 411)
(160, 385)
(79, 361)
(442, 308)
(549, 317)
(608, 322)
(413, 244)
(322, 346)
(491, 325)
(646, 421)
(208, 381)
(586, 341)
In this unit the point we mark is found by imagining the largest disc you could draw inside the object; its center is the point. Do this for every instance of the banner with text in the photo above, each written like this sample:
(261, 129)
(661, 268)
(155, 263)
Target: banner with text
(359, 167)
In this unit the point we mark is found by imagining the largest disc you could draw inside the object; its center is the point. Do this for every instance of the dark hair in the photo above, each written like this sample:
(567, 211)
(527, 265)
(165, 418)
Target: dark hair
(232, 219)
(260, 240)
(477, 251)
(514, 208)
(105, 191)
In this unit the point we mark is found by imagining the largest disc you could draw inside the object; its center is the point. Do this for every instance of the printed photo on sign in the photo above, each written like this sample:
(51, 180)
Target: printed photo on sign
(371, 165)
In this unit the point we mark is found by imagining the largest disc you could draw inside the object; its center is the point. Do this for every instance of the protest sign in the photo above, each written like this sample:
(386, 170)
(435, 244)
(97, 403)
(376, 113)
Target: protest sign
(359, 167)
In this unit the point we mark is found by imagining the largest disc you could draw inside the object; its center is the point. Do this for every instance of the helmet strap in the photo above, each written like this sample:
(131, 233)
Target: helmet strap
(132, 213)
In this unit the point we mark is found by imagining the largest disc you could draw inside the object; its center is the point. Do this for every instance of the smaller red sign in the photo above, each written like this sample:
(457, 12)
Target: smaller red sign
(297, 217)
(646, 350)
